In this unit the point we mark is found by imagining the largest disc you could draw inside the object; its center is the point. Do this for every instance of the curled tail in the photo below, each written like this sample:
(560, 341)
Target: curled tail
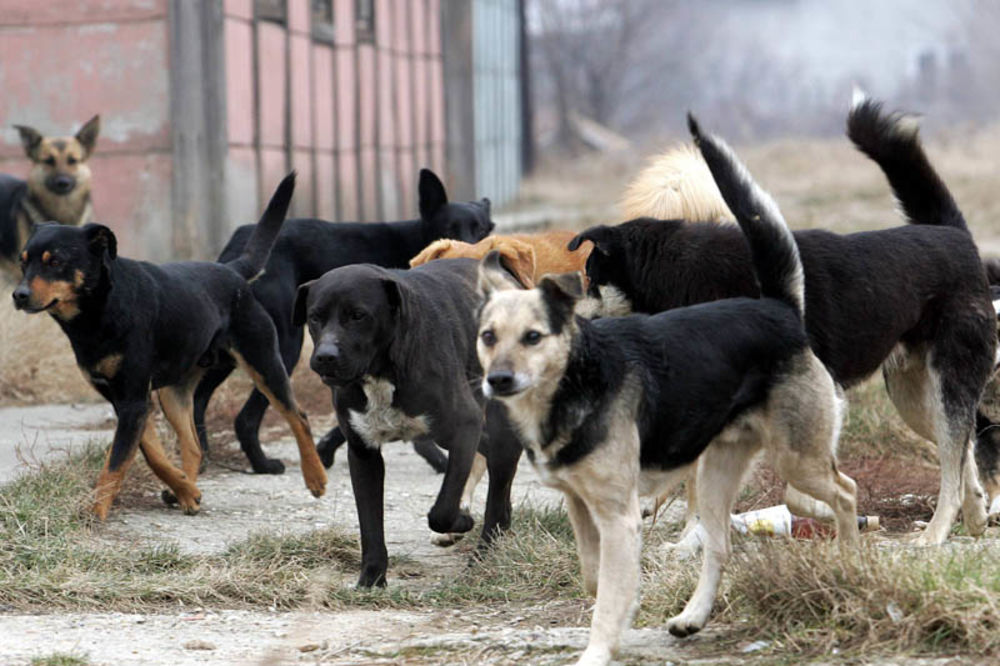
(775, 255)
(892, 141)
(258, 248)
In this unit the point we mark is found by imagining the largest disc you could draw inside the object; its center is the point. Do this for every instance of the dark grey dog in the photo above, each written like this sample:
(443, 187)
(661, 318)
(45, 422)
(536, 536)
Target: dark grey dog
(398, 348)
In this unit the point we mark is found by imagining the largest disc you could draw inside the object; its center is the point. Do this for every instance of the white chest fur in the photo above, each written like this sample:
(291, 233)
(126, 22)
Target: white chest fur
(381, 422)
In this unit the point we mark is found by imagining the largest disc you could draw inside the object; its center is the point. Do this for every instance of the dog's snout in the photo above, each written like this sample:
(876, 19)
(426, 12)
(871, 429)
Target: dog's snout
(61, 184)
(501, 381)
(325, 356)
(21, 296)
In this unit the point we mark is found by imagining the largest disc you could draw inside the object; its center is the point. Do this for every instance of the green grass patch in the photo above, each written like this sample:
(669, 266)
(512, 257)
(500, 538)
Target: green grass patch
(60, 659)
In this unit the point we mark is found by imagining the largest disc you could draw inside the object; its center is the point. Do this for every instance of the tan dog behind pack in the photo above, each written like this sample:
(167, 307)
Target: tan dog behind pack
(58, 187)
(676, 185)
(528, 256)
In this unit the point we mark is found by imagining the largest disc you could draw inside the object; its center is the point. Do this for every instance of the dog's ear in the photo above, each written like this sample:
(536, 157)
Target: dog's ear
(433, 251)
(519, 260)
(299, 307)
(432, 194)
(486, 204)
(560, 294)
(101, 241)
(394, 293)
(30, 139)
(602, 236)
(87, 136)
(493, 276)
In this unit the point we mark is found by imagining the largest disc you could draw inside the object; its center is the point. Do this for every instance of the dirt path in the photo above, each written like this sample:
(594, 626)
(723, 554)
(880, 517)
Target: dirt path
(236, 505)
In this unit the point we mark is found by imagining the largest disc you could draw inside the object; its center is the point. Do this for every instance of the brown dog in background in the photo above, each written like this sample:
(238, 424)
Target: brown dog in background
(528, 256)
(57, 189)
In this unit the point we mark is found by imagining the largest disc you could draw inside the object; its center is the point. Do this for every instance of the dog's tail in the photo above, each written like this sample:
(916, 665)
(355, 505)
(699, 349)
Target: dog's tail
(255, 253)
(892, 141)
(775, 255)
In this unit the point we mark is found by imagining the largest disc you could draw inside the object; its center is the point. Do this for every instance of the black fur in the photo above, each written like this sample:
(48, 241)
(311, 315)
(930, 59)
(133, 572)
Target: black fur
(13, 191)
(416, 330)
(921, 286)
(306, 249)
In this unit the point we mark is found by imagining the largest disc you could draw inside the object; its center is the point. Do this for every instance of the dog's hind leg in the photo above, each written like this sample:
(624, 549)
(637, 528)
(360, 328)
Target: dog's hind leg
(212, 379)
(939, 406)
(588, 541)
(255, 349)
(178, 407)
(720, 474)
(184, 490)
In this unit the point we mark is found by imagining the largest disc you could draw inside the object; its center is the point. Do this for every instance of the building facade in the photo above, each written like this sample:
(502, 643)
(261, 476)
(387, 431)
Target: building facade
(206, 104)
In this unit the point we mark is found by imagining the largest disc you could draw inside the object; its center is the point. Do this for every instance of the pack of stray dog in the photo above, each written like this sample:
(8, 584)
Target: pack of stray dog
(622, 360)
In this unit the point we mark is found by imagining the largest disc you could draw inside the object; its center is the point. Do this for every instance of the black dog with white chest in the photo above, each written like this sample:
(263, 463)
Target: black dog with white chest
(306, 249)
(398, 348)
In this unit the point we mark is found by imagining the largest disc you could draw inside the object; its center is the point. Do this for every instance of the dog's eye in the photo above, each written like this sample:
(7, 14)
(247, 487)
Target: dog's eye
(51, 161)
(356, 315)
(488, 337)
(532, 338)
(71, 161)
(314, 320)
(54, 262)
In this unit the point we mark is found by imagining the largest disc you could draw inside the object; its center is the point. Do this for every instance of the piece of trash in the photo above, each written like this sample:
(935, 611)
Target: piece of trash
(755, 646)
(895, 613)
(199, 645)
(309, 647)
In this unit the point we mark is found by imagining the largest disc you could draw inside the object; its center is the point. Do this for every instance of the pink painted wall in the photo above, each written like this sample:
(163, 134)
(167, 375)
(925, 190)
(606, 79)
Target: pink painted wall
(62, 63)
(357, 119)
(361, 114)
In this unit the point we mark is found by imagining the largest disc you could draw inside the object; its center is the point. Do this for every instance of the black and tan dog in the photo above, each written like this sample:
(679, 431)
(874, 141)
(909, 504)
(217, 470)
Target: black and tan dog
(911, 300)
(57, 189)
(305, 250)
(398, 348)
(136, 328)
(621, 407)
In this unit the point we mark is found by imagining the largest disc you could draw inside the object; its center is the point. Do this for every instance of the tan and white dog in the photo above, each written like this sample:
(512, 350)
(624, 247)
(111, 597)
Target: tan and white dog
(618, 408)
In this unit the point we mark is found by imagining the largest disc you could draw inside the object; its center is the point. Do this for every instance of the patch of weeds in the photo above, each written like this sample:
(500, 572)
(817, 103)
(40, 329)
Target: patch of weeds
(60, 659)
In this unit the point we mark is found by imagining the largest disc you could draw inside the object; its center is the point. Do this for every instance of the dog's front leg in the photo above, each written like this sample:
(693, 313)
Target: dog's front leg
(368, 481)
(588, 540)
(132, 415)
(618, 527)
(462, 440)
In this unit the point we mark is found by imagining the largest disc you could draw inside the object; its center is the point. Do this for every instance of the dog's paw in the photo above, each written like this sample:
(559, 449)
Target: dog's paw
(975, 517)
(683, 625)
(594, 656)
(372, 576)
(315, 477)
(445, 540)
(168, 498)
(268, 466)
(101, 508)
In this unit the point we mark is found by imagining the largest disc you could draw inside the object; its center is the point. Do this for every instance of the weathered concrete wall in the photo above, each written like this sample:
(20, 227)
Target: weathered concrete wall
(62, 62)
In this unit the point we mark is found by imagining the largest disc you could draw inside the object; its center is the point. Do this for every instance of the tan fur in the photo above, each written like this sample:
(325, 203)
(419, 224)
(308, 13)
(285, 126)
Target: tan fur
(178, 406)
(59, 155)
(313, 471)
(60, 294)
(108, 366)
(187, 493)
(676, 185)
(530, 256)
